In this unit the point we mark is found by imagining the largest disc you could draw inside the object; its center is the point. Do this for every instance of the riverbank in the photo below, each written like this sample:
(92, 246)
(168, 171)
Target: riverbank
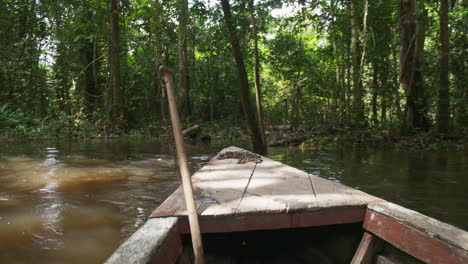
(228, 131)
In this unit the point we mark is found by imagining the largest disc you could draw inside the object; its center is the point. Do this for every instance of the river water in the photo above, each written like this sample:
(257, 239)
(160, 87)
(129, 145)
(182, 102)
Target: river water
(75, 202)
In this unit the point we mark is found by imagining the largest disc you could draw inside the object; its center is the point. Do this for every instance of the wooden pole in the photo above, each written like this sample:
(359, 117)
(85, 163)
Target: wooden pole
(183, 167)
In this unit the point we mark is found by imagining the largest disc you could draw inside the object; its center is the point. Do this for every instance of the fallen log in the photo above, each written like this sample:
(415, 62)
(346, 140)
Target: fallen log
(191, 131)
(296, 141)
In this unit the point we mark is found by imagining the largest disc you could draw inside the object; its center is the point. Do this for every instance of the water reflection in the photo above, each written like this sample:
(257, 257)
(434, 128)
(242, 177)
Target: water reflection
(74, 203)
(433, 183)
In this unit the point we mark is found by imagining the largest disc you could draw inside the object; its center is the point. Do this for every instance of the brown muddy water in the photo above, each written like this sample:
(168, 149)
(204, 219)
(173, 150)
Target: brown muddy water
(75, 202)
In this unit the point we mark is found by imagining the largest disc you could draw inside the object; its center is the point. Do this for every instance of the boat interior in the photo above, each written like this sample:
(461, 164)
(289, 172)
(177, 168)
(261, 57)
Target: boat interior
(322, 244)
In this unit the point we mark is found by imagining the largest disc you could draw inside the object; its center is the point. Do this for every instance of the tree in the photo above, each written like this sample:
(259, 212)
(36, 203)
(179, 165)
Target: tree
(157, 80)
(337, 90)
(412, 30)
(258, 95)
(257, 142)
(115, 108)
(443, 106)
(184, 84)
(358, 104)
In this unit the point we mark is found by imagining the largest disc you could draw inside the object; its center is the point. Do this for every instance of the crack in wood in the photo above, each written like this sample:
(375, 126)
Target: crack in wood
(245, 189)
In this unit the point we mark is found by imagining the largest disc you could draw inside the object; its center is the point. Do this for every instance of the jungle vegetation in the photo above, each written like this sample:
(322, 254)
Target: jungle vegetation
(90, 67)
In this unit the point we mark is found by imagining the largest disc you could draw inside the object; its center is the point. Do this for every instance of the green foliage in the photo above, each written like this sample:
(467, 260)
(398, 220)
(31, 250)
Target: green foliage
(55, 67)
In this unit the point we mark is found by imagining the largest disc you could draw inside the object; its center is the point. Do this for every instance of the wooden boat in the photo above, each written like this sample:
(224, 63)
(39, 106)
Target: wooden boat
(269, 212)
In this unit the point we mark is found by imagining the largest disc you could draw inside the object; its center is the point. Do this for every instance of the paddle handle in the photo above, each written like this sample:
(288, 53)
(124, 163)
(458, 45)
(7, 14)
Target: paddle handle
(183, 168)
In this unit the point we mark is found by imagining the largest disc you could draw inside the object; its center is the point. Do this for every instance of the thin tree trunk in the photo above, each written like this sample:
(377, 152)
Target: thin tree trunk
(375, 87)
(364, 32)
(384, 91)
(210, 77)
(412, 32)
(396, 87)
(358, 104)
(443, 106)
(116, 110)
(258, 96)
(157, 81)
(184, 85)
(337, 90)
(257, 141)
(348, 78)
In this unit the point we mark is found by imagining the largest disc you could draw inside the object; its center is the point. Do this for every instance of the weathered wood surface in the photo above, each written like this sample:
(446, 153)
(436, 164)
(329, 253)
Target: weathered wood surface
(367, 250)
(225, 188)
(423, 237)
(332, 194)
(156, 241)
(384, 260)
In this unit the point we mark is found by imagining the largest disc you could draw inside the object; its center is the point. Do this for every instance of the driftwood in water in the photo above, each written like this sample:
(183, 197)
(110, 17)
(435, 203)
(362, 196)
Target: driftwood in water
(292, 140)
(281, 135)
(191, 131)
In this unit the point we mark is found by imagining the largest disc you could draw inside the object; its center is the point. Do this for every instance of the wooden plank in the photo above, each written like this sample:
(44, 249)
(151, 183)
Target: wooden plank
(423, 223)
(157, 239)
(274, 188)
(218, 187)
(277, 188)
(367, 249)
(221, 184)
(331, 216)
(332, 194)
(171, 205)
(420, 236)
(262, 221)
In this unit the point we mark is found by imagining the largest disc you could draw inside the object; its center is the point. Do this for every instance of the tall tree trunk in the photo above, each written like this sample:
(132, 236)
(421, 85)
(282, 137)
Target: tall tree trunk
(375, 88)
(89, 62)
(184, 85)
(210, 77)
(337, 89)
(116, 115)
(358, 104)
(412, 32)
(257, 141)
(398, 112)
(90, 88)
(348, 78)
(157, 81)
(384, 90)
(460, 78)
(297, 95)
(443, 106)
(258, 96)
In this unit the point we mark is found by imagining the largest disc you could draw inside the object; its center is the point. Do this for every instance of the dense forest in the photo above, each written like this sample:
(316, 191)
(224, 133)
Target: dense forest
(90, 67)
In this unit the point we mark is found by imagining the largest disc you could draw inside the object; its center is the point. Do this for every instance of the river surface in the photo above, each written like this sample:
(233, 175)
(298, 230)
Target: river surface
(75, 202)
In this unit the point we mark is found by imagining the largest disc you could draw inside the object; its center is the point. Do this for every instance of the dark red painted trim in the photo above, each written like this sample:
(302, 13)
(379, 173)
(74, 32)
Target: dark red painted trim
(170, 249)
(232, 223)
(367, 249)
(414, 242)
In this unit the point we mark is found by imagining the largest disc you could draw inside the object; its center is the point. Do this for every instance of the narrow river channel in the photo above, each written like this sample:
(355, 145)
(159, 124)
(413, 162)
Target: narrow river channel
(75, 202)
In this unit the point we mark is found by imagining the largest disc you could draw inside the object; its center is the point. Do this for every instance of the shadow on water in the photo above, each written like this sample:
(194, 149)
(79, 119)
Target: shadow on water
(75, 202)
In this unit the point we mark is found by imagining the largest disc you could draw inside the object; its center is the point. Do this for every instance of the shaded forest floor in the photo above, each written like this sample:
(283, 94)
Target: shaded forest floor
(229, 131)
(326, 136)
